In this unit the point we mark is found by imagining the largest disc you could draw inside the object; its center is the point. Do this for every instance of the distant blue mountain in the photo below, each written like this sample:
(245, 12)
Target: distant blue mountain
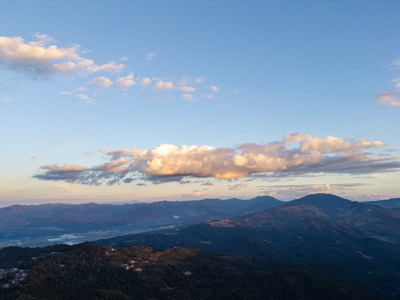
(393, 204)
(19, 222)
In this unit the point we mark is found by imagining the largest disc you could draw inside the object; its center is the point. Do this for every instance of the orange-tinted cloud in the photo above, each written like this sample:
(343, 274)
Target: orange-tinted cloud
(296, 154)
(39, 59)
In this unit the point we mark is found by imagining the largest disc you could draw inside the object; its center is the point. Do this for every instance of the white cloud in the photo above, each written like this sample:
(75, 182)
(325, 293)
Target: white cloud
(184, 81)
(329, 144)
(192, 194)
(124, 58)
(102, 81)
(36, 58)
(83, 97)
(7, 99)
(390, 99)
(188, 97)
(81, 89)
(145, 81)
(125, 82)
(214, 88)
(150, 56)
(191, 80)
(164, 85)
(87, 65)
(43, 39)
(187, 89)
(65, 93)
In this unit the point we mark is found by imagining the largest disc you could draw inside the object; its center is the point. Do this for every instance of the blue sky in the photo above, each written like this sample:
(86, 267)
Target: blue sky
(237, 76)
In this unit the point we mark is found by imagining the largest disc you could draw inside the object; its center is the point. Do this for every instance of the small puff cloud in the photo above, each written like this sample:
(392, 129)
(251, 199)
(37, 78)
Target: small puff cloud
(187, 89)
(214, 88)
(164, 85)
(125, 82)
(297, 154)
(145, 81)
(102, 81)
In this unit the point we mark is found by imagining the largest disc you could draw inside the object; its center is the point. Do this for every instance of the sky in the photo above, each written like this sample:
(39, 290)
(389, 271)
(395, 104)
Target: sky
(113, 101)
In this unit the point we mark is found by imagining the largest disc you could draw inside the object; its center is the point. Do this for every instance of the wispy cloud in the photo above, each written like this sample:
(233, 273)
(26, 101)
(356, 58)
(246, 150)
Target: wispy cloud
(208, 96)
(237, 187)
(200, 79)
(296, 154)
(84, 97)
(79, 93)
(299, 190)
(81, 89)
(194, 194)
(390, 99)
(188, 97)
(316, 188)
(150, 56)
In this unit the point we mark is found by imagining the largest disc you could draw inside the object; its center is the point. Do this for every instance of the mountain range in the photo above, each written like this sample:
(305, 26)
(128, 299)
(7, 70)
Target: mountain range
(52, 223)
(340, 238)
(317, 247)
(44, 224)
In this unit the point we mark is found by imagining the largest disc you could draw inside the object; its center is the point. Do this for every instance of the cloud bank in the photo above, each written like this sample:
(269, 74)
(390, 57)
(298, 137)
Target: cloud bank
(297, 154)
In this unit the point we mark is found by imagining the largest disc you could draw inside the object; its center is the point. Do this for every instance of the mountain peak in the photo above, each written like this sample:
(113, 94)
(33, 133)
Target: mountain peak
(322, 198)
(265, 198)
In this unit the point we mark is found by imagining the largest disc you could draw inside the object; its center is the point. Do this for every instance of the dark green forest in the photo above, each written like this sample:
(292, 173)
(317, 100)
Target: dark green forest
(92, 271)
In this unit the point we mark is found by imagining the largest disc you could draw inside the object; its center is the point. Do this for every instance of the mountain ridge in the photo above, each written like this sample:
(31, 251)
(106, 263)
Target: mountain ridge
(307, 230)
